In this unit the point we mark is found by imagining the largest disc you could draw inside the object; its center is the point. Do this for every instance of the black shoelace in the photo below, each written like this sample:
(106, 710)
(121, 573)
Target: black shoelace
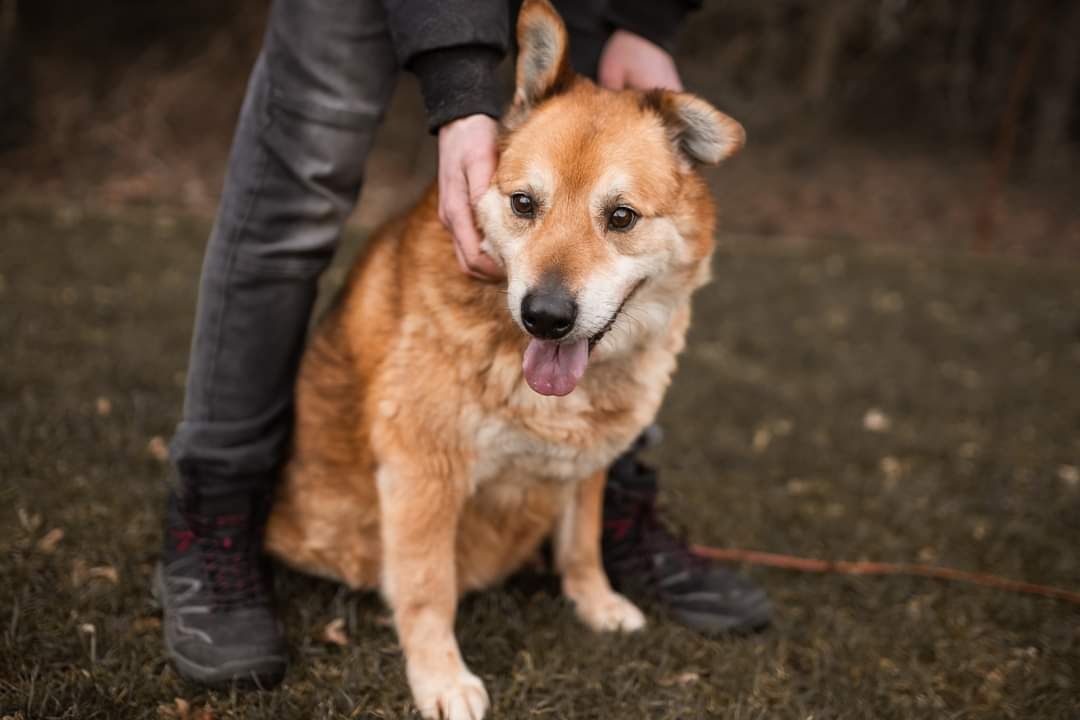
(227, 547)
(638, 536)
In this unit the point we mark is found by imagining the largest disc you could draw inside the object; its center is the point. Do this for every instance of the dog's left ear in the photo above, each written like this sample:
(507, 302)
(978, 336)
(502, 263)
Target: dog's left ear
(702, 133)
(543, 64)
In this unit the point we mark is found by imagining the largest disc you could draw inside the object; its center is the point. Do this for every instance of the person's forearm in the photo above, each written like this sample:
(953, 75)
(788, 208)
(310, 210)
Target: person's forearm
(453, 47)
(458, 82)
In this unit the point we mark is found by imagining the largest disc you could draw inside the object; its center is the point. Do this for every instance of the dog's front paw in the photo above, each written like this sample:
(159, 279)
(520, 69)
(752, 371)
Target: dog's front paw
(610, 611)
(459, 697)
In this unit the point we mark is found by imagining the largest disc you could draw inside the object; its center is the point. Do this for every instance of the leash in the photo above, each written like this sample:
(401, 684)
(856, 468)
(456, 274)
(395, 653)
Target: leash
(845, 567)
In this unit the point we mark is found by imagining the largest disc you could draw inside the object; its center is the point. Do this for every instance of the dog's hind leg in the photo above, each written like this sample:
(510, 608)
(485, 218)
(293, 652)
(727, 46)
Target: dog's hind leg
(577, 556)
(421, 506)
(326, 523)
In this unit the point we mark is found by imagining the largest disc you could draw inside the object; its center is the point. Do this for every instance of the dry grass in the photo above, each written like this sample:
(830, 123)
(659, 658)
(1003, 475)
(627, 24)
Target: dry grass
(834, 401)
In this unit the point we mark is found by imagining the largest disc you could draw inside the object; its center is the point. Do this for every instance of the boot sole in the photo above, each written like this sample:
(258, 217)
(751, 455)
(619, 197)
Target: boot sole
(713, 625)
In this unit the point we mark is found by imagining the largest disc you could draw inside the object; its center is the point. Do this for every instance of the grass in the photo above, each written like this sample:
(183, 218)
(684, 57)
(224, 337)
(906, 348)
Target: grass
(835, 400)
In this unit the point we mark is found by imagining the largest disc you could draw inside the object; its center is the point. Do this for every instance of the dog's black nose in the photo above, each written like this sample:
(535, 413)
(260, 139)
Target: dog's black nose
(549, 314)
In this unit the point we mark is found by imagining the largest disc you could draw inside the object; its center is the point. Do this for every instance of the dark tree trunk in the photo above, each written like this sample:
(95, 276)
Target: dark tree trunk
(15, 95)
(833, 19)
(1051, 148)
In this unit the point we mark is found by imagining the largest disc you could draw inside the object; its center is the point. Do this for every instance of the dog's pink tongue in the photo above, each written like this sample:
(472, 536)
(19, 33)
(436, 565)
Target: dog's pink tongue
(554, 369)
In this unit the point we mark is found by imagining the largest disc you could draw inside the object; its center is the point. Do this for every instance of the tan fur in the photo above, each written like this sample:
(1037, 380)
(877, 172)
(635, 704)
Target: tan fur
(423, 464)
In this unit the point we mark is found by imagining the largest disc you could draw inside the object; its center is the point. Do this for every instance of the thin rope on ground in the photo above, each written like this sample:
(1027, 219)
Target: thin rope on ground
(844, 567)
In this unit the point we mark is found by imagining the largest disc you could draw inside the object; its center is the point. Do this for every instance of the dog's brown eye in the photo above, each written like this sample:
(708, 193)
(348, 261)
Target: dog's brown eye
(522, 205)
(622, 218)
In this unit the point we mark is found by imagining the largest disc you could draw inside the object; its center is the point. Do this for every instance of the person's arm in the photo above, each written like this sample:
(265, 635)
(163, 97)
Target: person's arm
(657, 21)
(454, 47)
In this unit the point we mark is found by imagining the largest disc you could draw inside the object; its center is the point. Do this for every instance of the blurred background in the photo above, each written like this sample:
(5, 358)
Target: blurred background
(947, 123)
(886, 367)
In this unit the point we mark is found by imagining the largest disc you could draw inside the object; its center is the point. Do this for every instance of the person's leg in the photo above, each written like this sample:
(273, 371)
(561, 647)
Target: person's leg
(316, 95)
(642, 557)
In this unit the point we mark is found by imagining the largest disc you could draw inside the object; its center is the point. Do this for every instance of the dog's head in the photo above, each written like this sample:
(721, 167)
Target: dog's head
(596, 211)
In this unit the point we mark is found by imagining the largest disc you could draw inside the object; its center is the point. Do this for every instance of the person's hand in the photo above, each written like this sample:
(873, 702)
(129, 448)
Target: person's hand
(467, 157)
(630, 61)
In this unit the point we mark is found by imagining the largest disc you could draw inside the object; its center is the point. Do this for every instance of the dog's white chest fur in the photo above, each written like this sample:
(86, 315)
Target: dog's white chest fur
(531, 437)
(550, 440)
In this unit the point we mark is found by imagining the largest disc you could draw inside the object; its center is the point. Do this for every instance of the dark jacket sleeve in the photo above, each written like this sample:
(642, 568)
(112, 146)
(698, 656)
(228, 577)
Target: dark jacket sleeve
(655, 20)
(453, 47)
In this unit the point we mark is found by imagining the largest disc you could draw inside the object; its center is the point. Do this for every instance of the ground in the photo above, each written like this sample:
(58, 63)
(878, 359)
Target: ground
(837, 399)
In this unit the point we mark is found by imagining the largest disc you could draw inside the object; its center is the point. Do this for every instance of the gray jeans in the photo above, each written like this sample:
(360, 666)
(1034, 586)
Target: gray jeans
(319, 89)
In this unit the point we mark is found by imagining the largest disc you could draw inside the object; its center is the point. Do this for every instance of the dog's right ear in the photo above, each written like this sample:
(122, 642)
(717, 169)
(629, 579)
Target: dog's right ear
(543, 63)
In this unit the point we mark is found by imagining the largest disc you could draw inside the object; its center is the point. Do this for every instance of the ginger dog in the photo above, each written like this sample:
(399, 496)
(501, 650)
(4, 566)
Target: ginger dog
(446, 426)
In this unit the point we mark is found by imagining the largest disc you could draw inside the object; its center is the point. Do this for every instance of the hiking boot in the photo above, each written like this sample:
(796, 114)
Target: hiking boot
(646, 562)
(214, 587)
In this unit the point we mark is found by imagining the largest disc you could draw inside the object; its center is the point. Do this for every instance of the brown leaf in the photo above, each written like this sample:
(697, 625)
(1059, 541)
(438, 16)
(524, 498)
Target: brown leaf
(105, 572)
(1070, 475)
(334, 633)
(103, 406)
(172, 710)
(762, 438)
(928, 554)
(47, 544)
(79, 572)
(158, 449)
(891, 466)
(181, 710)
(876, 421)
(29, 521)
(684, 678)
(146, 624)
